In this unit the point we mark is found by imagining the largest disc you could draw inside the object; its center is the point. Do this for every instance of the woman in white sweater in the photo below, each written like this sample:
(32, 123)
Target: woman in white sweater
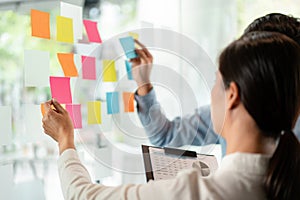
(255, 104)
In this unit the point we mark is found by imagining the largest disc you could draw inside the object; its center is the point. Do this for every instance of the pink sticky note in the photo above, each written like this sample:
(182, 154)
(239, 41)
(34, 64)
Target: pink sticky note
(74, 111)
(88, 67)
(60, 89)
(92, 31)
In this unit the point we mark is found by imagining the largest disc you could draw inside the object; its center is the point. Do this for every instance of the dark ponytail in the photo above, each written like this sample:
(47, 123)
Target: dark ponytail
(282, 179)
(266, 68)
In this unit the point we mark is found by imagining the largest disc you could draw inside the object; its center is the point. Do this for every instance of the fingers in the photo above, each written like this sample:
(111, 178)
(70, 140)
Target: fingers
(137, 59)
(57, 106)
(47, 106)
(146, 51)
(142, 55)
(139, 43)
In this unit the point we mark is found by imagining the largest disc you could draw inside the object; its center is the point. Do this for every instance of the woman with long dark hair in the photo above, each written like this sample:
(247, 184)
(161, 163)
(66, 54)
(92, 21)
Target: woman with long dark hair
(255, 104)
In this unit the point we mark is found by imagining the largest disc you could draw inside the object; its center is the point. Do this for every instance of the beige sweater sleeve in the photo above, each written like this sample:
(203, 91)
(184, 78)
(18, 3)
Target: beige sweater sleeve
(76, 184)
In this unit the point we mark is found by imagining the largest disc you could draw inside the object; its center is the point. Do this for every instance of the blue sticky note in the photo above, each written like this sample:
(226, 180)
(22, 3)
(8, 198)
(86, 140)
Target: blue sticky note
(129, 70)
(128, 47)
(112, 99)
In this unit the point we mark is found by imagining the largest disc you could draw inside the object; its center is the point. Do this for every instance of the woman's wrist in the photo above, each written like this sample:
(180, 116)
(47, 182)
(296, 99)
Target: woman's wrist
(144, 89)
(65, 144)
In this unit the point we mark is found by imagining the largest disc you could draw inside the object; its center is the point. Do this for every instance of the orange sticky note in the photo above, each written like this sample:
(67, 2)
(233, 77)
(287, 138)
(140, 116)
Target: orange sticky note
(52, 107)
(40, 24)
(66, 61)
(42, 109)
(128, 100)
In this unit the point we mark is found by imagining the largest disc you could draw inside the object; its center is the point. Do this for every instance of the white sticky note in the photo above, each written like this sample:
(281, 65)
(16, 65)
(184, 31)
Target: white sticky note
(74, 12)
(36, 68)
(7, 180)
(33, 123)
(106, 125)
(103, 164)
(5, 125)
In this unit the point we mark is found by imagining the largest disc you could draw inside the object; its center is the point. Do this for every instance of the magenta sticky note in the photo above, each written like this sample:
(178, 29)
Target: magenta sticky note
(60, 89)
(88, 67)
(92, 31)
(74, 111)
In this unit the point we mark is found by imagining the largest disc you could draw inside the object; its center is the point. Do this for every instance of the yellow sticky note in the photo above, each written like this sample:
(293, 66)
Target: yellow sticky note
(109, 71)
(94, 112)
(64, 29)
(136, 37)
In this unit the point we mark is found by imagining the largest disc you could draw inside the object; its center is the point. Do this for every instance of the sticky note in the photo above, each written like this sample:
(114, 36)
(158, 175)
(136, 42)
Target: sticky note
(5, 125)
(128, 47)
(128, 100)
(75, 13)
(64, 29)
(40, 24)
(106, 119)
(36, 68)
(33, 122)
(134, 35)
(128, 70)
(42, 109)
(60, 89)
(88, 67)
(94, 112)
(74, 111)
(109, 71)
(7, 180)
(66, 61)
(112, 100)
(92, 31)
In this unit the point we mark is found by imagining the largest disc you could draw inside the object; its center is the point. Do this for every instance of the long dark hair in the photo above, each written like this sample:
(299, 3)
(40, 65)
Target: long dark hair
(266, 68)
(277, 22)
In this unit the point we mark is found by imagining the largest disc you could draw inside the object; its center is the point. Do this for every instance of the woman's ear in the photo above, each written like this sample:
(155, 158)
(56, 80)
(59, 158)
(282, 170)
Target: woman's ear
(232, 95)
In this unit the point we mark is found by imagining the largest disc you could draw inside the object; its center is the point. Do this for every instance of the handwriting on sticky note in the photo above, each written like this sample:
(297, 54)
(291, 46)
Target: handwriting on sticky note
(36, 68)
(128, 70)
(60, 89)
(128, 47)
(128, 100)
(74, 111)
(109, 71)
(92, 31)
(40, 24)
(75, 13)
(94, 112)
(66, 61)
(88, 67)
(112, 100)
(64, 29)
